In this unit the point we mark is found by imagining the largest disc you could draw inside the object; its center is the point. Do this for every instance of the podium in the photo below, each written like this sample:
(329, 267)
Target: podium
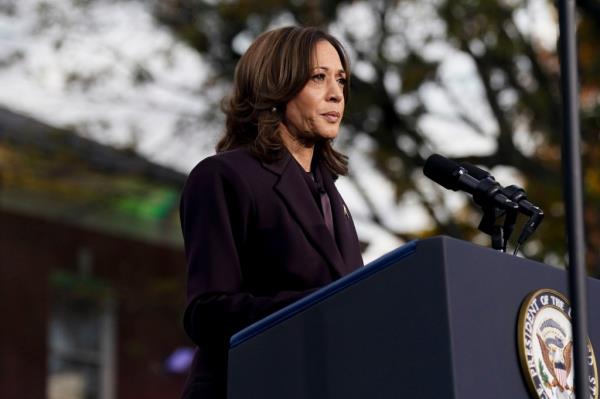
(435, 318)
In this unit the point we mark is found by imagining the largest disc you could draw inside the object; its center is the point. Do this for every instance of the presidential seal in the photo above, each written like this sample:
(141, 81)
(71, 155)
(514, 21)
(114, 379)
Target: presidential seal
(546, 347)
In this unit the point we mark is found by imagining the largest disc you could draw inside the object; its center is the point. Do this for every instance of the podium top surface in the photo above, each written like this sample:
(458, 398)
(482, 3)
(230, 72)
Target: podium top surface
(325, 292)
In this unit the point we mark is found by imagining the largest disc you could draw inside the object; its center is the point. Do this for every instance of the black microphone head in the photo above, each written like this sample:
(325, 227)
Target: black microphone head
(476, 171)
(442, 171)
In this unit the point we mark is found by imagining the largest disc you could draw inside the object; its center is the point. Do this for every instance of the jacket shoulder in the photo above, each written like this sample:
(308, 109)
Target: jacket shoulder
(230, 164)
(219, 178)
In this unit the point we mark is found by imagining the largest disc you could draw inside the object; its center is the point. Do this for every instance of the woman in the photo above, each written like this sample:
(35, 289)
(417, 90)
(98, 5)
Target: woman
(262, 221)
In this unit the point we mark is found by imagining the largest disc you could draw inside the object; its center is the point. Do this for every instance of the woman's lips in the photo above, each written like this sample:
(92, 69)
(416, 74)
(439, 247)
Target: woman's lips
(332, 117)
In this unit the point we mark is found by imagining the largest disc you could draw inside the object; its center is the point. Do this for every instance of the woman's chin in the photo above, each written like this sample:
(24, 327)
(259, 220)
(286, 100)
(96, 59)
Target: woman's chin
(328, 134)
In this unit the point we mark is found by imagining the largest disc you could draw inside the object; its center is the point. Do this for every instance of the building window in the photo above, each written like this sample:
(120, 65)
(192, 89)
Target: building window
(81, 340)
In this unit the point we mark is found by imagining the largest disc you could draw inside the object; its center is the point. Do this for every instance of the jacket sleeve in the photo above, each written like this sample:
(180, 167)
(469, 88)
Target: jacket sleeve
(216, 214)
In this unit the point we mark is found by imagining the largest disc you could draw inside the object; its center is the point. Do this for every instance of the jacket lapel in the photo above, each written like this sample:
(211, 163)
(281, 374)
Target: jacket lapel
(292, 188)
(345, 232)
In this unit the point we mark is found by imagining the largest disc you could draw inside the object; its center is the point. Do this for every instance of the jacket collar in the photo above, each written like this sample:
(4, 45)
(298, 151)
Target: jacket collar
(279, 165)
(293, 190)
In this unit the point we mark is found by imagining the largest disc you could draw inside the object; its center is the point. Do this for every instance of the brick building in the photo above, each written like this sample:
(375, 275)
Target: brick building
(91, 268)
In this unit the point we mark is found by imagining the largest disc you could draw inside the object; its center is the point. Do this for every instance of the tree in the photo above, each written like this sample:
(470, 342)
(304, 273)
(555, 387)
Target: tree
(474, 80)
(404, 90)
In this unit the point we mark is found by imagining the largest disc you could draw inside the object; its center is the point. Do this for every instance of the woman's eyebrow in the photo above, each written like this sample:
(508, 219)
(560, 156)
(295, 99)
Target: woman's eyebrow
(327, 68)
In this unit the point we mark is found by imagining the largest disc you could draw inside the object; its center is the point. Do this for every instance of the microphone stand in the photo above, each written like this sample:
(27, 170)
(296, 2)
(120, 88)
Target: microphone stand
(489, 225)
(508, 227)
(573, 192)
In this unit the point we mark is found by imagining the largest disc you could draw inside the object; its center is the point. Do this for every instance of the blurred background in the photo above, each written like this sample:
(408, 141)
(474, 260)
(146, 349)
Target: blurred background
(106, 105)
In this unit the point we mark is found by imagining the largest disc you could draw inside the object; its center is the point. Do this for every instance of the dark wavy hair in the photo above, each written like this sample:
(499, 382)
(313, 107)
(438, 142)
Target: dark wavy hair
(273, 70)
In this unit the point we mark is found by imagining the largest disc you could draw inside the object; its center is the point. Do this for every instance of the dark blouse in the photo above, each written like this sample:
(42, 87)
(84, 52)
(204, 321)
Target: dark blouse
(314, 181)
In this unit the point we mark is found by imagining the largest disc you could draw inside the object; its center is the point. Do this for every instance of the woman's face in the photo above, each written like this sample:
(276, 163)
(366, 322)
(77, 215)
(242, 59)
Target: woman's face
(318, 109)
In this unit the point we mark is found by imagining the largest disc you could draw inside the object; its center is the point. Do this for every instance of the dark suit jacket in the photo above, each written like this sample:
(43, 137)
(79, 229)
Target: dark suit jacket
(255, 241)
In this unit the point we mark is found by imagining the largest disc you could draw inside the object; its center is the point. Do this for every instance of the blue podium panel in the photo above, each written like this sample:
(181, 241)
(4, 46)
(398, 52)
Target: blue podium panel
(436, 318)
(485, 292)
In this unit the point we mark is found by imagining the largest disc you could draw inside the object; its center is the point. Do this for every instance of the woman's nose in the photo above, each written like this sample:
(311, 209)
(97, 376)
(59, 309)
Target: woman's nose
(335, 92)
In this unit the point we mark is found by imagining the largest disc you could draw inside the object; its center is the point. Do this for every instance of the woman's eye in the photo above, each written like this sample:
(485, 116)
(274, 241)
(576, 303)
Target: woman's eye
(319, 77)
(342, 81)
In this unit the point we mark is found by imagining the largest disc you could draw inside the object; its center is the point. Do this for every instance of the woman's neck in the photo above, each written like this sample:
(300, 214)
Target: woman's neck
(302, 152)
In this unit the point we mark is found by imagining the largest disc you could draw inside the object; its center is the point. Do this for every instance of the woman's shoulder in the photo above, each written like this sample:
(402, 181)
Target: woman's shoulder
(235, 159)
(236, 164)
(219, 178)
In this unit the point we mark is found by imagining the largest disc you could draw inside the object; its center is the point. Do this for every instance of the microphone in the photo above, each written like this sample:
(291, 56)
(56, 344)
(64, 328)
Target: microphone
(449, 174)
(516, 194)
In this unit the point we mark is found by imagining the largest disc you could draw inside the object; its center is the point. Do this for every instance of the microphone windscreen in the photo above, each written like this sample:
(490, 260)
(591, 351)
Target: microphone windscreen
(442, 171)
(476, 171)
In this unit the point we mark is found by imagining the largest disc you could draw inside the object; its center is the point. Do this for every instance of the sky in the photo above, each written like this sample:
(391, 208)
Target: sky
(110, 71)
(76, 66)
